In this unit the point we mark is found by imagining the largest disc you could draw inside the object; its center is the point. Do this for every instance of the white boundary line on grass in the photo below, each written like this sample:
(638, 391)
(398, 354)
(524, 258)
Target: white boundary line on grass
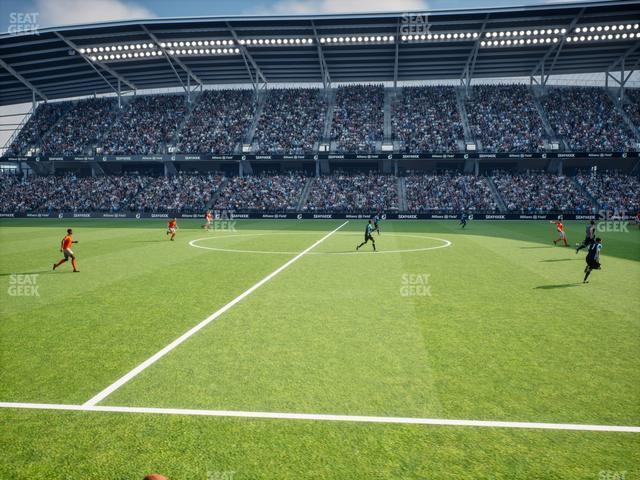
(157, 356)
(194, 243)
(324, 417)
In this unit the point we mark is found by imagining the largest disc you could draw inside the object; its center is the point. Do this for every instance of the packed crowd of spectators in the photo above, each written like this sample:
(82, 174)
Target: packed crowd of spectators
(353, 193)
(448, 193)
(218, 123)
(504, 119)
(79, 130)
(69, 193)
(426, 119)
(291, 122)
(540, 192)
(358, 118)
(632, 106)
(587, 119)
(262, 192)
(113, 193)
(614, 192)
(145, 125)
(180, 193)
(45, 116)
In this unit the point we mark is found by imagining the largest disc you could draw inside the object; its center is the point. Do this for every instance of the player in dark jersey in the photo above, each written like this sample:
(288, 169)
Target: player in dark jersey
(376, 223)
(463, 219)
(368, 231)
(590, 235)
(593, 258)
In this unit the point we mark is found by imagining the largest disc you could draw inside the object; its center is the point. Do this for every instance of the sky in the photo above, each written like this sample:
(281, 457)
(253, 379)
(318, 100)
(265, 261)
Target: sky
(47, 13)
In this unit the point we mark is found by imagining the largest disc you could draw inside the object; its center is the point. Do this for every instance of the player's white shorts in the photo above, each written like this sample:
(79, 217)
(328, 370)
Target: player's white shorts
(67, 253)
(172, 230)
(562, 234)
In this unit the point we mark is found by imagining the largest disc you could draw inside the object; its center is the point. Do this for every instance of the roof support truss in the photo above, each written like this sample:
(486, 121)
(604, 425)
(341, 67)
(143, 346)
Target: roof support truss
(555, 48)
(102, 65)
(247, 56)
(175, 59)
(23, 80)
(470, 66)
(624, 77)
(324, 69)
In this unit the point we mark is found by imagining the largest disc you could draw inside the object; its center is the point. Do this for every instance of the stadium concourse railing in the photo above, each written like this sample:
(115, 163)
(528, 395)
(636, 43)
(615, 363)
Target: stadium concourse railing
(321, 156)
(223, 216)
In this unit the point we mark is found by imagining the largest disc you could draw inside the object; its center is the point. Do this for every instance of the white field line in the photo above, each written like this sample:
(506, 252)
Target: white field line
(324, 417)
(157, 356)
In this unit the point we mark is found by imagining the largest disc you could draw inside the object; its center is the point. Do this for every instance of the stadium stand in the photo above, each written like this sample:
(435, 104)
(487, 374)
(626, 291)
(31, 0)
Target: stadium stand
(540, 192)
(218, 122)
(448, 193)
(632, 107)
(291, 121)
(504, 119)
(113, 193)
(145, 125)
(353, 193)
(45, 116)
(614, 192)
(586, 118)
(260, 193)
(358, 118)
(82, 127)
(426, 119)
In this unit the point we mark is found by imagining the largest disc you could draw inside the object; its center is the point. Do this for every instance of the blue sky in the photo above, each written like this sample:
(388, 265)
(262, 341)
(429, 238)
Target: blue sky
(59, 12)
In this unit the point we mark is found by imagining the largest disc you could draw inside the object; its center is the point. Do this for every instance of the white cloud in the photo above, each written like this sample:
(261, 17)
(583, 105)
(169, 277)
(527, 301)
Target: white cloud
(287, 7)
(71, 12)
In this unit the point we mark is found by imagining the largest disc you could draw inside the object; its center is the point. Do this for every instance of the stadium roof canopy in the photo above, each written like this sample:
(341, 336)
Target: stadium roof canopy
(534, 41)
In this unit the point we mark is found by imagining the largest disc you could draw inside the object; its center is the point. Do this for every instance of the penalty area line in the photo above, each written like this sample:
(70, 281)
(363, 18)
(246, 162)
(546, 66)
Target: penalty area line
(325, 417)
(157, 356)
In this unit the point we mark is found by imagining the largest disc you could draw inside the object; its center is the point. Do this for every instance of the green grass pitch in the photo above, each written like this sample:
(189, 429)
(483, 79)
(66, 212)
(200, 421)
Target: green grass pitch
(495, 326)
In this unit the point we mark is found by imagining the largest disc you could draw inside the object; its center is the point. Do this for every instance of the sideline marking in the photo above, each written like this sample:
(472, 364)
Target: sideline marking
(193, 243)
(324, 417)
(157, 356)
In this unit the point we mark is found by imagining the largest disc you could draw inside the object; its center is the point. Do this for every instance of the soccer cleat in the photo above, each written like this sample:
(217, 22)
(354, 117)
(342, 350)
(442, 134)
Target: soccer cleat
(54, 266)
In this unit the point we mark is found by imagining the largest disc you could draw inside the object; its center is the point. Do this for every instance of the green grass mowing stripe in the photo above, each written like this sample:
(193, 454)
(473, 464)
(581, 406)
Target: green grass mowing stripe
(61, 445)
(128, 302)
(150, 361)
(493, 357)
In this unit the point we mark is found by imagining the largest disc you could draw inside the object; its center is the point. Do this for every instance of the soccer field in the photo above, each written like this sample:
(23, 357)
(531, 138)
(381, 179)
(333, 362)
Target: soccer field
(489, 324)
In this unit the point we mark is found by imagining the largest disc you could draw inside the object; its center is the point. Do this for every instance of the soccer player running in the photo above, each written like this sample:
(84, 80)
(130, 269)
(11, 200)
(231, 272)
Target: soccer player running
(65, 248)
(593, 258)
(590, 235)
(376, 222)
(368, 231)
(208, 218)
(463, 219)
(172, 226)
(562, 236)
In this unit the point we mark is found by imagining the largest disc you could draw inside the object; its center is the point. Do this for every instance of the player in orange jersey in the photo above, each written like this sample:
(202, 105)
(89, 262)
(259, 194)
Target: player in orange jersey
(562, 236)
(208, 219)
(65, 248)
(172, 226)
